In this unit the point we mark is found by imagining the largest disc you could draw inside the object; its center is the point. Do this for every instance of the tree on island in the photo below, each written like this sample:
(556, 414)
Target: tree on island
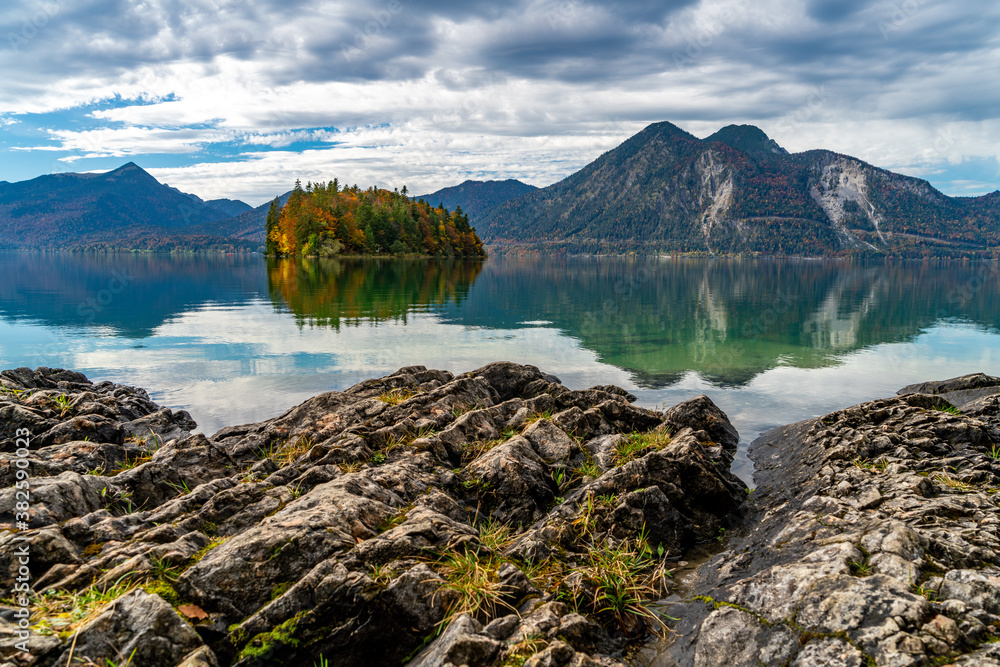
(323, 220)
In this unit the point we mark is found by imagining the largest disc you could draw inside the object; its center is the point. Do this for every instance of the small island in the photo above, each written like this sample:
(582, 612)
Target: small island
(324, 220)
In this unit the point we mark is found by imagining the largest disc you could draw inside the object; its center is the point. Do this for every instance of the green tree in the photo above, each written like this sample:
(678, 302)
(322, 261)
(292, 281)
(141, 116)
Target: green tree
(273, 213)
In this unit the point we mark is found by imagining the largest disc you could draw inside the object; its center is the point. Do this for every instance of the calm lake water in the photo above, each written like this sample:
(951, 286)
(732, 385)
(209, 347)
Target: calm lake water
(234, 339)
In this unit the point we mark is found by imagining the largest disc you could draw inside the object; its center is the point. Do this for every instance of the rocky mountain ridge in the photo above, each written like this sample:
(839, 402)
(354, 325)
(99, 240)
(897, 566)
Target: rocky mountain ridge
(738, 192)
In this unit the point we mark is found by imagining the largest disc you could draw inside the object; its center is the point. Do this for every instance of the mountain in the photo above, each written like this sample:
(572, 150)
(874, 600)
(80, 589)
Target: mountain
(122, 208)
(738, 192)
(247, 226)
(749, 139)
(477, 198)
(230, 207)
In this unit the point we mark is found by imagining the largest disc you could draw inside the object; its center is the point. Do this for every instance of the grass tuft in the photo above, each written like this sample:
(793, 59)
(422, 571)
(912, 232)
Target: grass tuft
(476, 580)
(128, 463)
(288, 452)
(637, 445)
(61, 613)
(349, 466)
(626, 577)
(589, 469)
(517, 654)
(534, 417)
(495, 535)
(951, 482)
(398, 395)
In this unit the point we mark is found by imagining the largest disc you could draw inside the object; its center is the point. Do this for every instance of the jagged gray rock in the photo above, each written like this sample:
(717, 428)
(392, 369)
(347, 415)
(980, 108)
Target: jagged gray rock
(872, 538)
(354, 525)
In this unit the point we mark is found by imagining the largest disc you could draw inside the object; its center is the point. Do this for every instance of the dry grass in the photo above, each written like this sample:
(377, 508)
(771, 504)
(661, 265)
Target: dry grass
(62, 613)
(398, 395)
(476, 580)
(951, 482)
(287, 453)
(476, 448)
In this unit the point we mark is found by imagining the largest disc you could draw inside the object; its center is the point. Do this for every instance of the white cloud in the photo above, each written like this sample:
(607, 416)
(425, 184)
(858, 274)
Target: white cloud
(487, 89)
(392, 157)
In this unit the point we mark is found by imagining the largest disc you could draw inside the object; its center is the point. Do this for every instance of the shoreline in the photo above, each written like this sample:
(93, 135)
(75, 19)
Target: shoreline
(473, 516)
(512, 251)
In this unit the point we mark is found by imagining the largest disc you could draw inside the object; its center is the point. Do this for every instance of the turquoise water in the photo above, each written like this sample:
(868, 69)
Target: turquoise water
(234, 339)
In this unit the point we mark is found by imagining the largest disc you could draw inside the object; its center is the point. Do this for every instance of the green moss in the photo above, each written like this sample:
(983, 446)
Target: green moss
(208, 547)
(93, 550)
(284, 635)
(164, 590)
(278, 548)
(717, 604)
(236, 633)
(394, 520)
(280, 589)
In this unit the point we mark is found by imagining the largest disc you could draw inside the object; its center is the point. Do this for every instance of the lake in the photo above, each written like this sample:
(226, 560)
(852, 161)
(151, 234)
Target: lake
(235, 339)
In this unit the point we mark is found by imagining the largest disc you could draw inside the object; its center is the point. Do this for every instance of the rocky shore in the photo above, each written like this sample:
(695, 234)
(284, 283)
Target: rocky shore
(495, 518)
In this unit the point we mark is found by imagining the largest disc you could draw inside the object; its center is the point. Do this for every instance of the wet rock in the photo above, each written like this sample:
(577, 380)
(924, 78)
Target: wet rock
(95, 428)
(551, 442)
(162, 426)
(510, 380)
(79, 456)
(175, 468)
(16, 419)
(42, 649)
(46, 548)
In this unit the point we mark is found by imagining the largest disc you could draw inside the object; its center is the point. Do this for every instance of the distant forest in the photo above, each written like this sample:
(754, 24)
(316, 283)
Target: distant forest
(324, 220)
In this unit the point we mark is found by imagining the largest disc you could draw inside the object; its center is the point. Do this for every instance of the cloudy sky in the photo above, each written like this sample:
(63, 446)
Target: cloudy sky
(238, 98)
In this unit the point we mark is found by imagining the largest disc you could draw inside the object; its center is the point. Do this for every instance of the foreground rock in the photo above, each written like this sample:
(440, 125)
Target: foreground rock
(493, 518)
(872, 539)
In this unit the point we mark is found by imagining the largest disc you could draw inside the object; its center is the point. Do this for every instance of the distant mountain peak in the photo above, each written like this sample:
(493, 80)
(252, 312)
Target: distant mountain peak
(113, 208)
(477, 198)
(749, 139)
(132, 171)
(666, 126)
